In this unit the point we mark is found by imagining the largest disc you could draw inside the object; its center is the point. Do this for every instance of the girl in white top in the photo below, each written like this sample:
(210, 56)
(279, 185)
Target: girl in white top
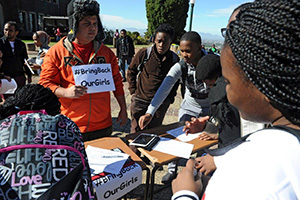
(260, 61)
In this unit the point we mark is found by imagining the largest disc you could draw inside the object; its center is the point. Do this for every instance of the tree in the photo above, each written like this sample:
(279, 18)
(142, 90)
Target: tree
(173, 12)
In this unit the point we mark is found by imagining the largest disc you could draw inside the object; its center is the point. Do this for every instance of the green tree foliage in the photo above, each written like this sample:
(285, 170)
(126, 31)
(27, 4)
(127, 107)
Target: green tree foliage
(173, 12)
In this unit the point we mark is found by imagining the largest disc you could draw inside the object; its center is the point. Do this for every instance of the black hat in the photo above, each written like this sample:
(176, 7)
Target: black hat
(80, 8)
(208, 67)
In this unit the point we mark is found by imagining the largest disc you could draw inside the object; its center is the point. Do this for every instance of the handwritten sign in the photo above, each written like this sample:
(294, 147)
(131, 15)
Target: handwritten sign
(96, 77)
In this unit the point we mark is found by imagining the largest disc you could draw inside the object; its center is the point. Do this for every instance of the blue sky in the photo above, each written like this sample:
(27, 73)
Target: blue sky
(209, 16)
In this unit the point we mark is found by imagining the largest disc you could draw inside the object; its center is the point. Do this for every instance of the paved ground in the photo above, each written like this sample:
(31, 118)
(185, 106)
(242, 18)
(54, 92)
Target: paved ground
(171, 116)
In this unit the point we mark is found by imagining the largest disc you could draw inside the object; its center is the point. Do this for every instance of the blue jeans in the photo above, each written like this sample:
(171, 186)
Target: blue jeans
(122, 65)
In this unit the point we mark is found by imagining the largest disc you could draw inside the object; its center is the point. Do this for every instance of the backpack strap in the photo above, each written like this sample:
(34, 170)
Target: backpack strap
(183, 67)
(146, 58)
(237, 142)
(292, 131)
(183, 70)
(175, 57)
(221, 151)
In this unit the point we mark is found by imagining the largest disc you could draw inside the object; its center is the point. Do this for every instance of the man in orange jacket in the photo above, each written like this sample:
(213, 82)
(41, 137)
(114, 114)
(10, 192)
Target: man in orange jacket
(83, 45)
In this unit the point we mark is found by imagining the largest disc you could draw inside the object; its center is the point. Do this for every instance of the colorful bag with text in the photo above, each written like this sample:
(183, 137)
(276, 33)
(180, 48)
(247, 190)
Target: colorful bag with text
(43, 157)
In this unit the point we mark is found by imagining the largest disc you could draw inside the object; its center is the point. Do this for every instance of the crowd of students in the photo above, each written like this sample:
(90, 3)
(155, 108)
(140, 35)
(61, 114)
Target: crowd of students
(256, 77)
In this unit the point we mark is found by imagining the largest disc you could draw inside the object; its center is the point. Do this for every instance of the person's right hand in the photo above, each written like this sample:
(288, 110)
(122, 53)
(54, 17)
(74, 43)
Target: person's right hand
(145, 120)
(186, 179)
(75, 91)
(196, 125)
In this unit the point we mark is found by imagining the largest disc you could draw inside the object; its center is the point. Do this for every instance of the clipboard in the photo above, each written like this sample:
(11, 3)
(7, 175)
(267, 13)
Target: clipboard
(32, 72)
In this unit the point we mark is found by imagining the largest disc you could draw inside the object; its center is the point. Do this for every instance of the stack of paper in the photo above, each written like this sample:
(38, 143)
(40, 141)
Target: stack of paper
(103, 160)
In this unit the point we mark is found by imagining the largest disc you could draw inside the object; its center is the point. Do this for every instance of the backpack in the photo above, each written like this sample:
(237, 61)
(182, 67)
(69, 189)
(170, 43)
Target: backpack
(43, 157)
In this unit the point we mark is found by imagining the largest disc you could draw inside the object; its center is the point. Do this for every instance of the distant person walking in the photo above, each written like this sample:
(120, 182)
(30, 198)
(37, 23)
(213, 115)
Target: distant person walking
(41, 40)
(57, 34)
(125, 51)
(14, 53)
(116, 37)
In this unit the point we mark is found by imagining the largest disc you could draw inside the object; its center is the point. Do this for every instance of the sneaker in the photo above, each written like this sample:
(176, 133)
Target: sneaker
(168, 178)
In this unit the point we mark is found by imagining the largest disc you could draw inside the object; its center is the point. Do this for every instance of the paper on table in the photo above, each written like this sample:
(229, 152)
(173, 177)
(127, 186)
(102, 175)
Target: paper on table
(180, 135)
(8, 87)
(173, 147)
(103, 160)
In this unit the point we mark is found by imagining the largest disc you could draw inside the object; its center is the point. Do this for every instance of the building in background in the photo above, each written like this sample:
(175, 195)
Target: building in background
(29, 14)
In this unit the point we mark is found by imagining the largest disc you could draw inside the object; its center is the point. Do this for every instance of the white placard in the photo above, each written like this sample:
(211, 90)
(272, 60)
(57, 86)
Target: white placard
(180, 135)
(114, 186)
(96, 77)
(8, 87)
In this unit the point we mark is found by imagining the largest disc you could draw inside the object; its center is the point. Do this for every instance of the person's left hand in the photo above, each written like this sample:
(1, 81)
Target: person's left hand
(35, 66)
(206, 164)
(7, 78)
(186, 180)
(208, 136)
(122, 117)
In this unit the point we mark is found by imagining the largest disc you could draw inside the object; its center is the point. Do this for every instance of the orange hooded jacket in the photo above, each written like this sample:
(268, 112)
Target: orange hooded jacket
(92, 111)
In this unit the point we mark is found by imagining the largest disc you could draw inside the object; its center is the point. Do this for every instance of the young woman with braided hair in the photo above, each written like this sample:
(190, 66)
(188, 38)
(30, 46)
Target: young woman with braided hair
(31, 97)
(261, 63)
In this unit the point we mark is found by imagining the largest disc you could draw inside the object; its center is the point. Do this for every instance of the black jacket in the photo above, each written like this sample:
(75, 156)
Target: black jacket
(129, 47)
(13, 62)
(227, 116)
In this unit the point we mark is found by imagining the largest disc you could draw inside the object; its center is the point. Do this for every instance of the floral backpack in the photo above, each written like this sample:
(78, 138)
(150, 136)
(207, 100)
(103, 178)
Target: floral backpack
(43, 157)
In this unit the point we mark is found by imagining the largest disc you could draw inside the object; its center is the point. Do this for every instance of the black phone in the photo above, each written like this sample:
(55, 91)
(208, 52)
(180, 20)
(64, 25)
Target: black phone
(145, 140)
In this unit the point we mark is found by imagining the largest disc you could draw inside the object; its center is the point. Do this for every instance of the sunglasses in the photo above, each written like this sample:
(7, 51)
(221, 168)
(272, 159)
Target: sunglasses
(223, 32)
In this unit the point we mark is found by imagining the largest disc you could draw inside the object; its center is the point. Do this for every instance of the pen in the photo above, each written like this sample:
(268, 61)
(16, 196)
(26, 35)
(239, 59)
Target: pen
(112, 156)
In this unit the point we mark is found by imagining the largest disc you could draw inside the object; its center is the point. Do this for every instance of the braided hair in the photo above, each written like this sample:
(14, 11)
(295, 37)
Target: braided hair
(31, 97)
(265, 40)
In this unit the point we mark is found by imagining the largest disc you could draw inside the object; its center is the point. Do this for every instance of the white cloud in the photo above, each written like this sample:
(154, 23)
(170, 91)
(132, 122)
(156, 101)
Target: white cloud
(222, 11)
(111, 21)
